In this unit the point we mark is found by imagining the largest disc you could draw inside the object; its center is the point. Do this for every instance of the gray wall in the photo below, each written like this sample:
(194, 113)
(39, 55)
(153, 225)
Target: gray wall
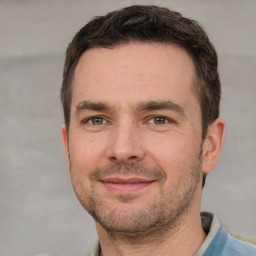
(39, 213)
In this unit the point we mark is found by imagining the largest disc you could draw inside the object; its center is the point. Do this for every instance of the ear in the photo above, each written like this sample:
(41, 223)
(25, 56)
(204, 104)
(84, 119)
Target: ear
(64, 136)
(212, 145)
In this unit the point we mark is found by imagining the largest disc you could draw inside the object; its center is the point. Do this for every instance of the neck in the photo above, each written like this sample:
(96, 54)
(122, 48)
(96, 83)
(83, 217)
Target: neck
(184, 239)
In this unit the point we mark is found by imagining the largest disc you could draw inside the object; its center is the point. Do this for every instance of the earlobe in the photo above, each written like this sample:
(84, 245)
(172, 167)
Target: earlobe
(64, 136)
(213, 144)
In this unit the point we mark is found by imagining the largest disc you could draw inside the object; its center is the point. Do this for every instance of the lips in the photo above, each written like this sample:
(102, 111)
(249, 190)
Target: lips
(126, 185)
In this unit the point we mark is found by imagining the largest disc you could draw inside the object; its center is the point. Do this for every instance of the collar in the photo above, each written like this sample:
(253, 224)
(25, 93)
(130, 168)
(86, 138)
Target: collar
(210, 224)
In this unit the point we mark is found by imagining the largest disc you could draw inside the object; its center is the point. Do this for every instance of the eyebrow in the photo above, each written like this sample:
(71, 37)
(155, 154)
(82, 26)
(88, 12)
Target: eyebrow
(141, 107)
(160, 105)
(92, 106)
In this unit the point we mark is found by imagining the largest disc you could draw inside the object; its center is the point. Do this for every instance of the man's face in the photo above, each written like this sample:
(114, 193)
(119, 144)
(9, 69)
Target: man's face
(134, 144)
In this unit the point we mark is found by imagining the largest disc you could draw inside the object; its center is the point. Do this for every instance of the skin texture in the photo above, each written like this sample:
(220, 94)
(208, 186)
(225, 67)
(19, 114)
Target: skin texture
(135, 149)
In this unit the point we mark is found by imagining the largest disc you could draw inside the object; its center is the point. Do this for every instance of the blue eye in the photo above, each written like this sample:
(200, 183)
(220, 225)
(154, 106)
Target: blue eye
(159, 120)
(96, 120)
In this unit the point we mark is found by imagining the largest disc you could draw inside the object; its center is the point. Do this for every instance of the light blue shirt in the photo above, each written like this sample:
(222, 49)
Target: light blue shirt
(218, 241)
(223, 244)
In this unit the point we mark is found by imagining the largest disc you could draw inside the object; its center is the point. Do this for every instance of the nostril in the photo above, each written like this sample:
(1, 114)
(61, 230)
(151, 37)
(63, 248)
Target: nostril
(132, 157)
(124, 147)
(115, 159)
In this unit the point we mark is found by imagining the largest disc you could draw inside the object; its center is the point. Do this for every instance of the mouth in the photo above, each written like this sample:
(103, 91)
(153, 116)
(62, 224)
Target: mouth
(126, 185)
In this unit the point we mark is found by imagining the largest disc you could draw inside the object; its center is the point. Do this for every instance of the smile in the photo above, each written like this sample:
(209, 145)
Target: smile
(126, 186)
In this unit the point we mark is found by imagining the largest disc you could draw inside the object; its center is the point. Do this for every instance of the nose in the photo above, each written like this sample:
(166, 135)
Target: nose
(125, 144)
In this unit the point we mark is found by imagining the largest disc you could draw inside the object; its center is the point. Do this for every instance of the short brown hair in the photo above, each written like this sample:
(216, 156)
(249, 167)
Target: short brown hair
(149, 24)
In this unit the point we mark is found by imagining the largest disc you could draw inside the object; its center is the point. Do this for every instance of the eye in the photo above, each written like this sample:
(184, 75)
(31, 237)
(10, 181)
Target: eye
(96, 120)
(158, 120)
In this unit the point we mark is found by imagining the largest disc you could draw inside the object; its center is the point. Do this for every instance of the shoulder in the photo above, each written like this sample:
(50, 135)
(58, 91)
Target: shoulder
(249, 239)
(237, 247)
(224, 244)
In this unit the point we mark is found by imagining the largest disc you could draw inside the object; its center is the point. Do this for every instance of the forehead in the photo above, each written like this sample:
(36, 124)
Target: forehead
(137, 70)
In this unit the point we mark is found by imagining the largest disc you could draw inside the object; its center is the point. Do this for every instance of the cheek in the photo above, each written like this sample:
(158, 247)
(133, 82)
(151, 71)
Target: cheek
(85, 152)
(172, 152)
(166, 148)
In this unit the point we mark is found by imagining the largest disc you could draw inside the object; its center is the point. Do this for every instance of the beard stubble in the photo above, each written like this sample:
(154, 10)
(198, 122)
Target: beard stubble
(162, 210)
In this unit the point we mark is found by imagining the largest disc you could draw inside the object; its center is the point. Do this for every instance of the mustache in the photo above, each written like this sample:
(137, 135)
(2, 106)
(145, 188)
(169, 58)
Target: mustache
(137, 169)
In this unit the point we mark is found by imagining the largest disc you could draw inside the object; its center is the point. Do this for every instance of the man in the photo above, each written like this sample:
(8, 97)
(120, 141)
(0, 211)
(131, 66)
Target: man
(141, 96)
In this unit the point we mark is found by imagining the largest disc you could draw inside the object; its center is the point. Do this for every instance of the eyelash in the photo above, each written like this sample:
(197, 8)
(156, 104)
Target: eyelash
(166, 120)
(104, 121)
(90, 119)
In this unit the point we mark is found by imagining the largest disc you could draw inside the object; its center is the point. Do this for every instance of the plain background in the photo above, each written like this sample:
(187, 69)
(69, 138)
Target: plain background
(39, 212)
